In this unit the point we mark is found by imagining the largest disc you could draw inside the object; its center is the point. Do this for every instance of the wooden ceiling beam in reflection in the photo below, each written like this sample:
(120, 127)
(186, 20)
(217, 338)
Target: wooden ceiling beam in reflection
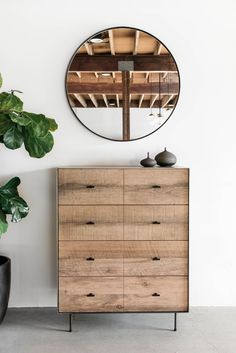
(136, 42)
(158, 49)
(135, 103)
(117, 101)
(165, 100)
(105, 100)
(153, 99)
(140, 100)
(165, 75)
(160, 63)
(89, 48)
(81, 100)
(111, 41)
(94, 100)
(126, 105)
(116, 88)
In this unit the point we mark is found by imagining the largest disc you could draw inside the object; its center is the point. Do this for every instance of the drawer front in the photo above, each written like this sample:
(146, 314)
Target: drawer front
(149, 267)
(155, 258)
(155, 294)
(160, 249)
(90, 258)
(156, 186)
(93, 294)
(91, 222)
(90, 186)
(165, 222)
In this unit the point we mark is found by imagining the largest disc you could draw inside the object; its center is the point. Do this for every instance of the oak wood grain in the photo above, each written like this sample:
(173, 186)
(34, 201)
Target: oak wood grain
(91, 222)
(156, 186)
(90, 294)
(162, 222)
(160, 249)
(90, 186)
(91, 258)
(145, 266)
(121, 240)
(155, 294)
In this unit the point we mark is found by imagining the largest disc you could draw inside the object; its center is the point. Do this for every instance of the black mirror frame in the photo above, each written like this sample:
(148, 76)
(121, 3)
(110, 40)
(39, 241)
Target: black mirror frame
(68, 66)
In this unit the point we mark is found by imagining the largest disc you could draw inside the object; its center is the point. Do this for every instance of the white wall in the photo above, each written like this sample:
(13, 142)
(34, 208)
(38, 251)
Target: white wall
(37, 40)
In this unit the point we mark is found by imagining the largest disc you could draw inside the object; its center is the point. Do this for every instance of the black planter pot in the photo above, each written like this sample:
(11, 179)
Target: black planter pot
(5, 284)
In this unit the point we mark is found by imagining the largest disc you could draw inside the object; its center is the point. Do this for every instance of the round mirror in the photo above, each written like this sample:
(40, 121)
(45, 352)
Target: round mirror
(122, 84)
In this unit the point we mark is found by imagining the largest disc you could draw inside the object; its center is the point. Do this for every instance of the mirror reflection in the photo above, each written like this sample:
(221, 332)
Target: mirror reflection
(122, 84)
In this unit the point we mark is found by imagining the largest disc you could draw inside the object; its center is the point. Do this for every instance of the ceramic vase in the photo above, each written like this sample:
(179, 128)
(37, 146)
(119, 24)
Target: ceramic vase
(165, 159)
(148, 162)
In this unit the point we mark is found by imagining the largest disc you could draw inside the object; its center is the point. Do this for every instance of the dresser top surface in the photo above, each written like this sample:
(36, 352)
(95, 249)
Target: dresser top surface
(121, 167)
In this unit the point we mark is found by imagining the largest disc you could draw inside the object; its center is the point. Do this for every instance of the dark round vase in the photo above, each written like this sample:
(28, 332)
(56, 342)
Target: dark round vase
(165, 159)
(5, 284)
(148, 162)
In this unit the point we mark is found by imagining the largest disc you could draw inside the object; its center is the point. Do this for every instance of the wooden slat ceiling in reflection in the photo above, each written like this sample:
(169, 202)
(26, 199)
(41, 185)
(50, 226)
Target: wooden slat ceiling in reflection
(91, 88)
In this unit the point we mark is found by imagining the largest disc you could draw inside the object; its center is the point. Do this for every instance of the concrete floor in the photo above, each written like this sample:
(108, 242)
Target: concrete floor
(203, 330)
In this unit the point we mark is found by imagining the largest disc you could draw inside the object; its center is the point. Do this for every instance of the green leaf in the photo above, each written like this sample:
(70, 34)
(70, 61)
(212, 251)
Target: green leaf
(52, 124)
(19, 118)
(11, 202)
(10, 102)
(39, 125)
(13, 138)
(5, 123)
(11, 184)
(0, 80)
(19, 208)
(37, 146)
(18, 126)
(3, 222)
(7, 191)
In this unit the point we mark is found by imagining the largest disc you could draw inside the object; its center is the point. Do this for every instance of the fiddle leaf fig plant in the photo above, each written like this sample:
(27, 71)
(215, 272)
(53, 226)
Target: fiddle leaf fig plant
(11, 204)
(18, 127)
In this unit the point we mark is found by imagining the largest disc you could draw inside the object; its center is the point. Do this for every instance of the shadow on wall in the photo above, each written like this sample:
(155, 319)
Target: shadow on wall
(32, 243)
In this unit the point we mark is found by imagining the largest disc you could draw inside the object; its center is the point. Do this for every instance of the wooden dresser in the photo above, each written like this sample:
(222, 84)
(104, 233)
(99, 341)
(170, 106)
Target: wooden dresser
(123, 239)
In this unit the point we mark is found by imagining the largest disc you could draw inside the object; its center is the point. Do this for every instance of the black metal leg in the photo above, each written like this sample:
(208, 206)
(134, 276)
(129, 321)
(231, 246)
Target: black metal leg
(70, 322)
(175, 322)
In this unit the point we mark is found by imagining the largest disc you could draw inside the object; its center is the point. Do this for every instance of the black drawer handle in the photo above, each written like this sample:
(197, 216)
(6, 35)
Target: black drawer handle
(90, 186)
(155, 258)
(156, 222)
(156, 295)
(156, 186)
(90, 222)
(90, 295)
(90, 258)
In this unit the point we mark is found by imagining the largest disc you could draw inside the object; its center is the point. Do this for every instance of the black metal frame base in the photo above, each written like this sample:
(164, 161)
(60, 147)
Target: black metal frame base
(70, 322)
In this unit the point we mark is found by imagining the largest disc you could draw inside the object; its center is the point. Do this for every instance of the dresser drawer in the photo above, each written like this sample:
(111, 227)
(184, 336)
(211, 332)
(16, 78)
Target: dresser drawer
(149, 267)
(155, 294)
(90, 186)
(90, 258)
(91, 222)
(149, 222)
(93, 294)
(160, 249)
(155, 258)
(156, 186)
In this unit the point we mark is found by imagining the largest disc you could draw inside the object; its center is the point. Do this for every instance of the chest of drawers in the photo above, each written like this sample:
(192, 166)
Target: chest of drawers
(123, 239)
